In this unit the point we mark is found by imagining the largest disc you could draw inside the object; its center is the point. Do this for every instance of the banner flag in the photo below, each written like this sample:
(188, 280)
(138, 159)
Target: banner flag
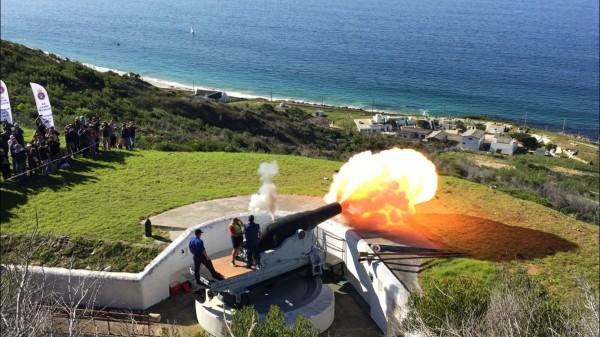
(5, 112)
(43, 104)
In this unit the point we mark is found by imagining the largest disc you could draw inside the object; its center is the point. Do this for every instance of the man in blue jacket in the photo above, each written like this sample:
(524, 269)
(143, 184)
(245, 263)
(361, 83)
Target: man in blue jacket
(197, 249)
(252, 235)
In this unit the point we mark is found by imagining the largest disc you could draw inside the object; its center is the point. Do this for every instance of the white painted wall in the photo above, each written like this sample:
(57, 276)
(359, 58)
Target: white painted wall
(374, 281)
(470, 143)
(504, 148)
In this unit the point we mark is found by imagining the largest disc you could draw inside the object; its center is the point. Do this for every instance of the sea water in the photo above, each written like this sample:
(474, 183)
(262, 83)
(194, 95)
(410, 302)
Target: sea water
(505, 59)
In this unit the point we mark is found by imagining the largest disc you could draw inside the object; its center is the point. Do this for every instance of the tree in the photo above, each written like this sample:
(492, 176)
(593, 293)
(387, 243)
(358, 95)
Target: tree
(460, 125)
(528, 142)
(423, 124)
(480, 126)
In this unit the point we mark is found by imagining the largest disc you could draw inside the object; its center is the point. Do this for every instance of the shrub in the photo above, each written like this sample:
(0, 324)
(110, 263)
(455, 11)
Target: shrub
(515, 306)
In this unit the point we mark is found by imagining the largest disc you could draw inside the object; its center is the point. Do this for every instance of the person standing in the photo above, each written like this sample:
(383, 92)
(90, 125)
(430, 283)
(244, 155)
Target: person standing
(132, 133)
(197, 249)
(126, 136)
(237, 237)
(252, 235)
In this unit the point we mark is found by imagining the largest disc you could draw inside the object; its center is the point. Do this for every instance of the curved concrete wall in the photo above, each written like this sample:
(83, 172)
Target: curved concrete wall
(374, 281)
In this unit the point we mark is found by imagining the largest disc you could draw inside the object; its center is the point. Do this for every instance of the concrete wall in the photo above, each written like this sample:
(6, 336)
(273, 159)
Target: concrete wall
(374, 281)
(142, 290)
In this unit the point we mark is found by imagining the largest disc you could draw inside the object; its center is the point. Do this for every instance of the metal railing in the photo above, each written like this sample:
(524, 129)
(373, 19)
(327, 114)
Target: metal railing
(327, 240)
(108, 323)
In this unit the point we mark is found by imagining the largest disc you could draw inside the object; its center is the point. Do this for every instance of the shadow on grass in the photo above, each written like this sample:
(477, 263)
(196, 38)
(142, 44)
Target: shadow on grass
(479, 238)
(15, 193)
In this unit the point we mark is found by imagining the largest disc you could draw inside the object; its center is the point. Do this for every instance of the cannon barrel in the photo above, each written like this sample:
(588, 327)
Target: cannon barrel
(282, 228)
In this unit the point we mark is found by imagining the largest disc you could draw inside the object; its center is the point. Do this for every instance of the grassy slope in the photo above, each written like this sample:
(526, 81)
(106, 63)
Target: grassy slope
(558, 272)
(107, 198)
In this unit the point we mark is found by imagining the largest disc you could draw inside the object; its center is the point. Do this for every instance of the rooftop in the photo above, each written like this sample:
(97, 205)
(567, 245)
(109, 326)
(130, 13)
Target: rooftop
(473, 133)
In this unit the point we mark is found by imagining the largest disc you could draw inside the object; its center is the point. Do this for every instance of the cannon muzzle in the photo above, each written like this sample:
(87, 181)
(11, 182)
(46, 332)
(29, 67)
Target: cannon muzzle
(282, 228)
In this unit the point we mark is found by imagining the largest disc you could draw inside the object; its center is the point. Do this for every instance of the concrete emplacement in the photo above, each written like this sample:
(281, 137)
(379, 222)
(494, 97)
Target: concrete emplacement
(296, 293)
(380, 289)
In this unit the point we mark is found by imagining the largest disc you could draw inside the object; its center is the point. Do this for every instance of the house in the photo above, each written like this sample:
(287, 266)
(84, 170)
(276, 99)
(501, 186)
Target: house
(281, 107)
(219, 96)
(454, 135)
(369, 125)
(409, 132)
(471, 140)
(543, 139)
(438, 136)
(503, 145)
(495, 128)
(446, 124)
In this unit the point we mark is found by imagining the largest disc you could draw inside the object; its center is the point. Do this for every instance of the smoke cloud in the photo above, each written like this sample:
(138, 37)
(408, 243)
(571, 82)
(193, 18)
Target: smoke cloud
(379, 189)
(266, 198)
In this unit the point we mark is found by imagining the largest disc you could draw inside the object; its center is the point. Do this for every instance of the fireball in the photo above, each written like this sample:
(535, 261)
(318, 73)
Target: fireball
(380, 189)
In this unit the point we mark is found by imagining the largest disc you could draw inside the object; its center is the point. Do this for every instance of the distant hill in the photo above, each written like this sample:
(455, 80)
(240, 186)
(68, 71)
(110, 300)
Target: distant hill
(167, 119)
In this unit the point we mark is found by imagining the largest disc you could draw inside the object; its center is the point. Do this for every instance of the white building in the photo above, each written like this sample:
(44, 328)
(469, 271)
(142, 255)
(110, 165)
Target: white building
(408, 132)
(370, 125)
(471, 140)
(446, 124)
(495, 128)
(503, 145)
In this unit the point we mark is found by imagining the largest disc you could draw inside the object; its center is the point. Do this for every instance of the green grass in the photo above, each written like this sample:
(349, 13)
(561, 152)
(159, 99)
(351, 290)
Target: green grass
(560, 273)
(106, 198)
(78, 252)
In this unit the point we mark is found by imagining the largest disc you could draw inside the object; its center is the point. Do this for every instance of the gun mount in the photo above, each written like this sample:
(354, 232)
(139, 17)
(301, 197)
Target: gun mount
(287, 244)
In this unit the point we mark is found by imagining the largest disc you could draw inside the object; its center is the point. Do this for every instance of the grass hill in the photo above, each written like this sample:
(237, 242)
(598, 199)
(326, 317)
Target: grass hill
(103, 201)
(167, 119)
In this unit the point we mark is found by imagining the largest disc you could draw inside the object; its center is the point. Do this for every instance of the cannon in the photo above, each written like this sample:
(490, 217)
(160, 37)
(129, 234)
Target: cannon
(287, 244)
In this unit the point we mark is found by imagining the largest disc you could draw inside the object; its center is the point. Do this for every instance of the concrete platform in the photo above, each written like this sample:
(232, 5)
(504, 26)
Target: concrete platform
(179, 219)
(223, 266)
(294, 295)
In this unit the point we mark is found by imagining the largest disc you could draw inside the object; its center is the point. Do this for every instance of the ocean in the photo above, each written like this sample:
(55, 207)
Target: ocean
(534, 59)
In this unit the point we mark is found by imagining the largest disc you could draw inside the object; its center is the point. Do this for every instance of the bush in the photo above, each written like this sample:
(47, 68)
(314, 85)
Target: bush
(245, 321)
(515, 306)
(450, 300)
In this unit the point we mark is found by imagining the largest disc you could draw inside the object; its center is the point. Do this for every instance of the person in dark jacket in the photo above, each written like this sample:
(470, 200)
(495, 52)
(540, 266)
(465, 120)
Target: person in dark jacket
(4, 164)
(197, 249)
(18, 132)
(19, 156)
(44, 154)
(252, 235)
(33, 159)
(126, 136)
(132, 133)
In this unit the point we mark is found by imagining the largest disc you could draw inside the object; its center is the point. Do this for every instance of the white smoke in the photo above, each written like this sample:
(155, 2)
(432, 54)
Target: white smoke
(266, 198)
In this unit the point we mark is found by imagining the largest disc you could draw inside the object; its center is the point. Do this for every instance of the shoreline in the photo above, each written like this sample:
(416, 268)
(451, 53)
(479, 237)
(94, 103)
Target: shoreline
(173, 85)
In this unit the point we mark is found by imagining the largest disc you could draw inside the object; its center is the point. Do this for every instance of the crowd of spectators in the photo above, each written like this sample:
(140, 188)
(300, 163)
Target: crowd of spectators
(43, 154)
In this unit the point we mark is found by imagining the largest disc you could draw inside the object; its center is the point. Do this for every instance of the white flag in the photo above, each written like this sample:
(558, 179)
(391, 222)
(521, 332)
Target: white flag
(5, 112)
(43, 104)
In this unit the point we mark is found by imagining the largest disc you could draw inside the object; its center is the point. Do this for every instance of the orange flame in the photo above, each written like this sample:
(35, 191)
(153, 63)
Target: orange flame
(380, 189)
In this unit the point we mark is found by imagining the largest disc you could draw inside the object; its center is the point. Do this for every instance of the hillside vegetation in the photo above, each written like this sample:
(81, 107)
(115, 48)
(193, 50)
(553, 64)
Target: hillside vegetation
(167, 119)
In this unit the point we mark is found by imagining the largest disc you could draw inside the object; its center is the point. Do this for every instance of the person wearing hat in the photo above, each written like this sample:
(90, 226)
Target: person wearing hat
(197, 249)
